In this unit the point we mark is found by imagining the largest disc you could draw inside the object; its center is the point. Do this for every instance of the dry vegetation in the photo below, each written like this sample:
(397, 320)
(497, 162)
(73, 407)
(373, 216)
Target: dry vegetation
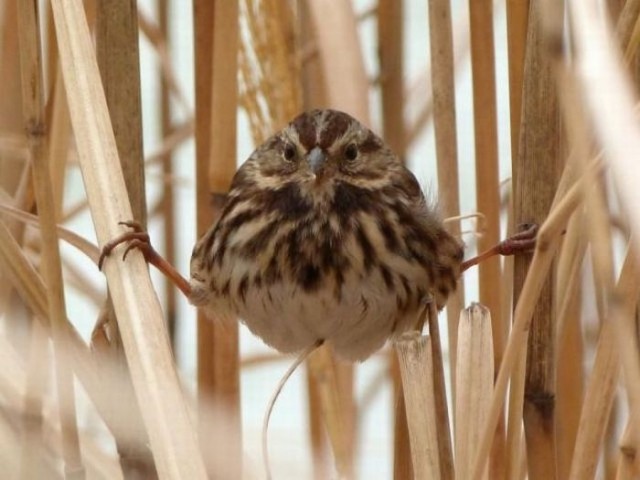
(544, 370)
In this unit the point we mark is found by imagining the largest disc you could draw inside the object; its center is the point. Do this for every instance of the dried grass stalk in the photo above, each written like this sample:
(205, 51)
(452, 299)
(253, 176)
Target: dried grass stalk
(570, 375)
(601, 390)
(118, 56)
(390, 51)
(33, 112)
(609, 100)
(487, 181)
(444, 112)
(416, 369)
(443, 428)
(534, 190)
(218, 355)
(474, 384)
(171, 435)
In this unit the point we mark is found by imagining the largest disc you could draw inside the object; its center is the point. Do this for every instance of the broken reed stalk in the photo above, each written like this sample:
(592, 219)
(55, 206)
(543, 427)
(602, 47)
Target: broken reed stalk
(218, 356)
(172, 438)
(474, 384)
(416, 368)
(34, 117)
(444, 120)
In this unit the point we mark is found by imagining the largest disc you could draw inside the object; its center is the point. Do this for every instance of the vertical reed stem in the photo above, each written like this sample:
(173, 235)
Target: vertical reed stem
(536, 173)
(34, 118)
(218, 355)
(444, 119)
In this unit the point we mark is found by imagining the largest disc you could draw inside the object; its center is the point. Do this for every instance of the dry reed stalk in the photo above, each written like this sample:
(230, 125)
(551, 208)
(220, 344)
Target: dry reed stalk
(534, 190)
(609, 102)
(416, 368)
(118, 59)
(171, 435)
(546, 245)
(321, 367)
(628, 464)
(475, 384)
(444, 118)
(517, 23)
(34, 118)
(614, 344)
(619, 107)
(624, 302)
(59, 140)
(344, 75)
(269, 66)
(32, 450)
(14, 383)
(24, 278)
(443, 427)
(599, 397)
(487, 183)
(11, 99)
(626, 22)
(486, 146)
(515, 446)
(513, 432)
(167, 202)
(570, 381)
(420, 91)
(402, 463)
(389, 14)
(218, 356)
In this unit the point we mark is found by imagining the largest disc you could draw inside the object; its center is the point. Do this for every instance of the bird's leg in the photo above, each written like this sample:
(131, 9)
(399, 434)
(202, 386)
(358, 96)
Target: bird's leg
(523, 241)
(139, 238)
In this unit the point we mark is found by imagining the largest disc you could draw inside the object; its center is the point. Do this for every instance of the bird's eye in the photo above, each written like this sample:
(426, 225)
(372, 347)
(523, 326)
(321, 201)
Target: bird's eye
(289, 152)
(351, 152)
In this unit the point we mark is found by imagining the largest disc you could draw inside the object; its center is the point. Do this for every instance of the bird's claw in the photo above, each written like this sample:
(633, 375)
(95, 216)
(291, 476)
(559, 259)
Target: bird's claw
(138, 238)
(523, 241)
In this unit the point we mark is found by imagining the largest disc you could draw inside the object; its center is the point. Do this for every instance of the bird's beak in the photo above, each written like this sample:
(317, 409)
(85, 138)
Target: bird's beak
(316, 159)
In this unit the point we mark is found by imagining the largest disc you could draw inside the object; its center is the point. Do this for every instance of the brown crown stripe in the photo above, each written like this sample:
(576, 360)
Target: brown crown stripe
(335, 126)
(305, 126)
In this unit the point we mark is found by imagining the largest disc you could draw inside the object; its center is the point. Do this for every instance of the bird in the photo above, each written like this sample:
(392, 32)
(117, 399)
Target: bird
(325, 237)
